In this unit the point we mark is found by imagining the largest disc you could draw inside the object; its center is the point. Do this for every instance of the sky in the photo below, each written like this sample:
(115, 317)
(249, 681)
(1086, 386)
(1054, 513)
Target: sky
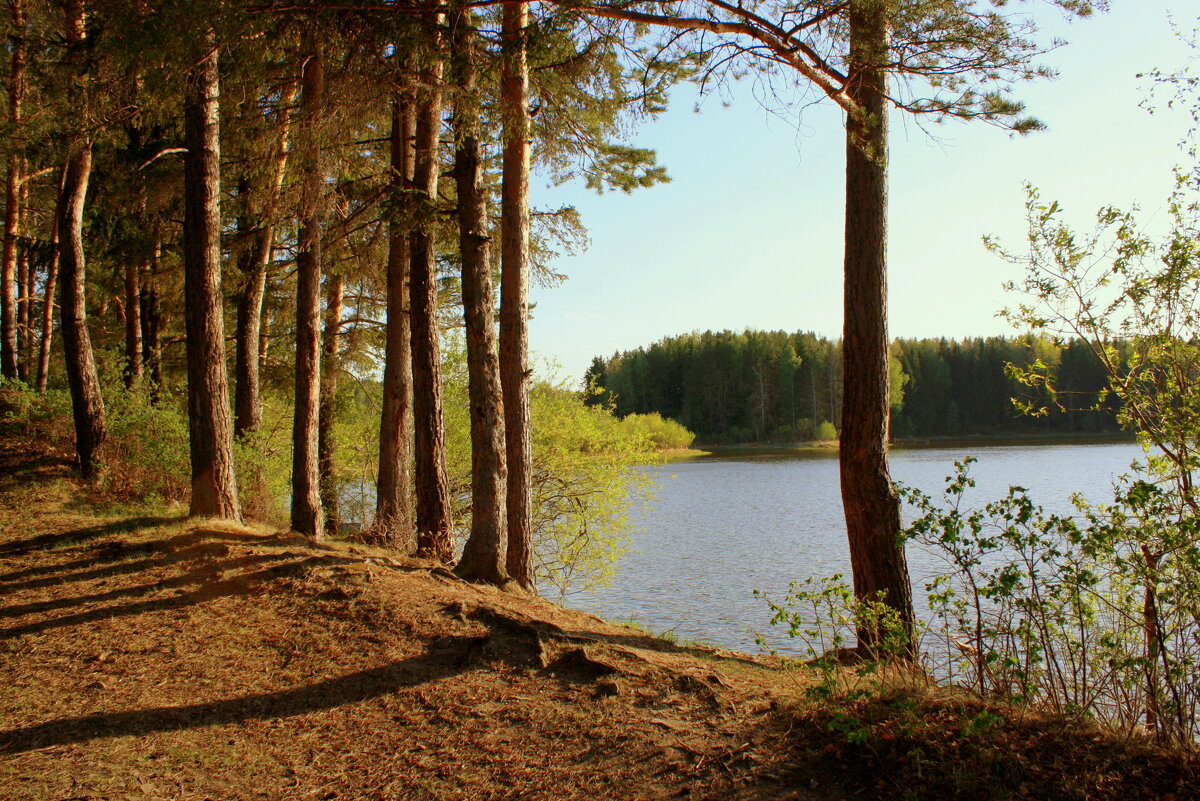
(748, 233)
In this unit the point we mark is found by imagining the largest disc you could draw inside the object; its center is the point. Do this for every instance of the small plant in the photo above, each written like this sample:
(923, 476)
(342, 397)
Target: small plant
(826, 617)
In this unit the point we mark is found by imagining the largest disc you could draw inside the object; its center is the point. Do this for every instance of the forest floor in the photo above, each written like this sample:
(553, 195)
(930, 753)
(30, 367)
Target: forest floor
(154, 657)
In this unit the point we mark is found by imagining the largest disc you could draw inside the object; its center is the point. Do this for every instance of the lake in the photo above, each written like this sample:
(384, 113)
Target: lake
(723, 526)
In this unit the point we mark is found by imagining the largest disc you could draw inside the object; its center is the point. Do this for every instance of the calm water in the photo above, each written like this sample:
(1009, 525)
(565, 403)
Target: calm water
(724, 526)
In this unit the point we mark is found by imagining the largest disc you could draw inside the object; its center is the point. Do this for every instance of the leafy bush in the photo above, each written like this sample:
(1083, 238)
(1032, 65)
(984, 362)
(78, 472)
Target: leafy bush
(826, 432)
(1096, 616)
(146, 450)
(585, 481)
(664, 433)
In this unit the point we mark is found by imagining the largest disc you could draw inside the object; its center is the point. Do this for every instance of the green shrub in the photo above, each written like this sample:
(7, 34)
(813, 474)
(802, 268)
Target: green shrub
(664, 433)
(825, 432)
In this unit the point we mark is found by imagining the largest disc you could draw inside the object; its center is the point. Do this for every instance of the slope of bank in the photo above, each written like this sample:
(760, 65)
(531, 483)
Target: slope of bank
(145, 656)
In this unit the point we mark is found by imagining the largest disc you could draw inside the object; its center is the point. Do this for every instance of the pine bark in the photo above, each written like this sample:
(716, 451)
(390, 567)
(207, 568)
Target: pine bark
(253, 263)
(483, 556)
(9, 288)
(872, 508)
(210, 427)
(133, 325)
(393, 508)
(326, 439)
(307, 516)
(43, 371)
(434, 538)
(151, 319)
(514, 292)
(26, 285)
(87, 404)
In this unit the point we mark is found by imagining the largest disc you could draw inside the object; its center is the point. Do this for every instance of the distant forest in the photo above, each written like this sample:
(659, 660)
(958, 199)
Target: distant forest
(763, 386)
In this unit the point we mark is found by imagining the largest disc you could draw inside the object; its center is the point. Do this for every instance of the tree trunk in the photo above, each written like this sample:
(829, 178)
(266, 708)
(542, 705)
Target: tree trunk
(26, 283)
(307, 515)
(871, 506)
(9, 289)
(214, 483)
(434, 539)
(393, 510)
(151, 319)
(514, 292)
(133, 325)
(247, 413)
(87, 404)
(326, 442)
(255, 260)
(43, 373)
(484, 554)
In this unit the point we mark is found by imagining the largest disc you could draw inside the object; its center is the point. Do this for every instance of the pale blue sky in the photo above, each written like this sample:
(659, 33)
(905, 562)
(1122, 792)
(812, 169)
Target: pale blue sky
(749, 231)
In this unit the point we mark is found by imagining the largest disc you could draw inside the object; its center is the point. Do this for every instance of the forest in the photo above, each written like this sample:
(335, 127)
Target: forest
(774, 386)
(281, 489)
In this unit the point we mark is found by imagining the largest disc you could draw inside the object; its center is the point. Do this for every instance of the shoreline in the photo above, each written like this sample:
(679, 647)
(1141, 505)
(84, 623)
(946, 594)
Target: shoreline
(701, 449)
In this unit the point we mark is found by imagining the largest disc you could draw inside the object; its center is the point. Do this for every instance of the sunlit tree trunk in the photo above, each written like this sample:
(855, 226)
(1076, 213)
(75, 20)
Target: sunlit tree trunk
(484, 554)
(9, 288)
(872, 508)
(434, 540)
(87, 404)
(254, 261)
(393, 509)
(43, 371)
(214, 483)
(307, 515)
(133, 325)
(326, 439)
(26, 287)
(514, 291)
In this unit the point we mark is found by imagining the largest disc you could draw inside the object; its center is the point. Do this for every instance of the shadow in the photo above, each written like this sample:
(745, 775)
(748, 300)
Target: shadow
(648, 642)
(242, 584)
(205, 573)
(352, 688)
(81, 535)
(192, 545)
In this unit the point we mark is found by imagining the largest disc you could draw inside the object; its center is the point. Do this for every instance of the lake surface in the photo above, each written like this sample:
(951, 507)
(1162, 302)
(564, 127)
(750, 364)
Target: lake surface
(726, 525)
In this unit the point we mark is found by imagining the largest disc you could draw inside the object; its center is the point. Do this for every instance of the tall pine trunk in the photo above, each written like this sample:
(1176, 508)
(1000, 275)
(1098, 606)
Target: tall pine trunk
(871, 506)
(393, 509)
(326, 440)
(253, 263)
(26, 285)
(47, 337)
(133, 325)
(151, 318)
(307, 516)
(514, 291)
(210, 427)
(484, 554)
(87, 404)
(434, 539)
(9, 286)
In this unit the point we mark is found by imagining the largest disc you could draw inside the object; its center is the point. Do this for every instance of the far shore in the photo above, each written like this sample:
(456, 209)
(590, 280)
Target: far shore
(901, 442)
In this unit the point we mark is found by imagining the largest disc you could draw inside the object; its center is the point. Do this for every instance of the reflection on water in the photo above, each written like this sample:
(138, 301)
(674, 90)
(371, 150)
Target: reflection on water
(726, 525)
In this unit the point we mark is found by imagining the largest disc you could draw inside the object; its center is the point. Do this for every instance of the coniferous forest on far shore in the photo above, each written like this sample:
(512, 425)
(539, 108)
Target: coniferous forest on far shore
(776, 386)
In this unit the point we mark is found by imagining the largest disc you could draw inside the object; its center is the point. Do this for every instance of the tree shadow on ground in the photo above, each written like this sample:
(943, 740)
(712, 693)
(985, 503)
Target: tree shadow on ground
(351, 688)
(85, 534)
(241, 584)
(103, 562)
